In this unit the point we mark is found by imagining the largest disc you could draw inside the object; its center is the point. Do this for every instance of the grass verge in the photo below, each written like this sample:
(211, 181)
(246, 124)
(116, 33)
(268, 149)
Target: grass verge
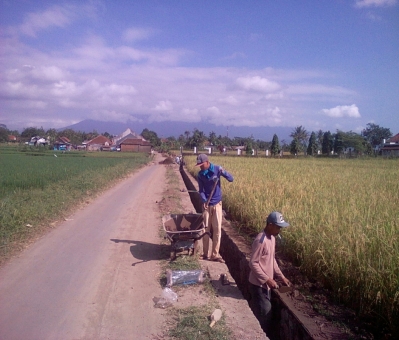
(193, 323)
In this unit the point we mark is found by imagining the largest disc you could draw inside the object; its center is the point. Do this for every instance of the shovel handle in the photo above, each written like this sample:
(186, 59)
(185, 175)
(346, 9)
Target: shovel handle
(209, 199)
(212, 192)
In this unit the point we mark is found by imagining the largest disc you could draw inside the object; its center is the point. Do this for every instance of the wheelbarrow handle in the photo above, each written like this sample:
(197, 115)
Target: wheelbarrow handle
(202, 235)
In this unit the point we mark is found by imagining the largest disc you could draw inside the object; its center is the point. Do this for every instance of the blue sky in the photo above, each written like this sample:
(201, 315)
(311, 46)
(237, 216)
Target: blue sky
(322, 64)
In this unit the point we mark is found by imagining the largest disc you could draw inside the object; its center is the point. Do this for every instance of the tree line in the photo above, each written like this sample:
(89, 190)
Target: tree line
(303, 142)
(323, 142)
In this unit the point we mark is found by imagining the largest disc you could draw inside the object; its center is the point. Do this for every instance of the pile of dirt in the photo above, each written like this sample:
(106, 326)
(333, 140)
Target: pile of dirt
(167, 160)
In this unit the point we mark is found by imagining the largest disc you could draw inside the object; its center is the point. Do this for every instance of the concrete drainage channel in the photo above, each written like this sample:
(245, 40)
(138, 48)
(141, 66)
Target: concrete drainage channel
(290, 323)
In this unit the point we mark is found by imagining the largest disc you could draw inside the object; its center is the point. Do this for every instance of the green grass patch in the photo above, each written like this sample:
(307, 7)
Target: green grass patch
(193, 324)
(36, 187)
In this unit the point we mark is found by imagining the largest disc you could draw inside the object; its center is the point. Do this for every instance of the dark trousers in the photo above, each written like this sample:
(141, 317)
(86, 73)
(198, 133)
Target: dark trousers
(261, 306)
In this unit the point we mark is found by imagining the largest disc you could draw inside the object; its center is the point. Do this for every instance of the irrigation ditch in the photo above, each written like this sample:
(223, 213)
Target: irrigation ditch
(294, 316)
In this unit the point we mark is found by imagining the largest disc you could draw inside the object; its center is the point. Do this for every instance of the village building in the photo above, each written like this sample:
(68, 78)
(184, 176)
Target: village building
(390, 148)
(62, 144)
(99, 143)
(129, 141)
(12, 138)
(127, 134)
(136, 145)
(38, 141)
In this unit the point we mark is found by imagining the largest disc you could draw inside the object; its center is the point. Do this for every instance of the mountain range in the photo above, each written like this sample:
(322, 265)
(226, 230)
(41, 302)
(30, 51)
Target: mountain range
(175, 129)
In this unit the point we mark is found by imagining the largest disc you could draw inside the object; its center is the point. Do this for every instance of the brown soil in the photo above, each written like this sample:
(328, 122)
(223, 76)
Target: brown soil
(311, 299)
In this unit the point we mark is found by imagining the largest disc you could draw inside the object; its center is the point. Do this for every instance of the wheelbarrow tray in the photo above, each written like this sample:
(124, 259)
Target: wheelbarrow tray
(183, 230)
(183, 226)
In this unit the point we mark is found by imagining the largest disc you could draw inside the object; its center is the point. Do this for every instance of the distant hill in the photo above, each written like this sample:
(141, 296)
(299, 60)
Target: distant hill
(175, 129)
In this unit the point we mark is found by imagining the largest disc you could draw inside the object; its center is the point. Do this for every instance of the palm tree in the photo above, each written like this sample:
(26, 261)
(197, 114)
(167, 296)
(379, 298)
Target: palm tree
(301, 135)
(187, 134)
(197, 139)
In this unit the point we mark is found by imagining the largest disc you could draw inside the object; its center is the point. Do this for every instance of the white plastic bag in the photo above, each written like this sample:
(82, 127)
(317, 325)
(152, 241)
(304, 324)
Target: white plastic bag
(167, 298)
(184, 277)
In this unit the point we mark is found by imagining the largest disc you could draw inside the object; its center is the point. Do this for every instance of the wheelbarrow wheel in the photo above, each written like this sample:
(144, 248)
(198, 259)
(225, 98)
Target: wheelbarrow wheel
(173, 255)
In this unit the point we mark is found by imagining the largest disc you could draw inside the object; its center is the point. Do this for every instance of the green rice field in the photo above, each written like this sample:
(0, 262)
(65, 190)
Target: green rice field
(344, 216)
(38, 186)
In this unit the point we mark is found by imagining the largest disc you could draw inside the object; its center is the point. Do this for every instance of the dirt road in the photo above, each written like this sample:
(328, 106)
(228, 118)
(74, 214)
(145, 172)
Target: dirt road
(94, 276)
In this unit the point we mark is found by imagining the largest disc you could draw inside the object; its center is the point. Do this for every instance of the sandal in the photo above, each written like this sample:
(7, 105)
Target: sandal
(218, 259)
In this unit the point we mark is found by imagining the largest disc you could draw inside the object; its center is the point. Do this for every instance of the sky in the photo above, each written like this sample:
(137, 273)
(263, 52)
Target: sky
(322, 64)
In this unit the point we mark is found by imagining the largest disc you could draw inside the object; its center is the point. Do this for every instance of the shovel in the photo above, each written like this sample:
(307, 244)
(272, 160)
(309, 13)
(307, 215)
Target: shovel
(209, 199)
(285, 289)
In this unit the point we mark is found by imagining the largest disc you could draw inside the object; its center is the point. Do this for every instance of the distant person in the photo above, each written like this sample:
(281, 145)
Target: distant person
(209, 187)
(264, 269)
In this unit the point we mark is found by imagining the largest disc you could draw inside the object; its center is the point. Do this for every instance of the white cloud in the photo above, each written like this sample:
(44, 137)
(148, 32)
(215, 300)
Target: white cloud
(275, 96)
(231, 100)
(111, 116)
(343, 111)
(189, 112)
(187, 115)
(134, 34)
(317, 89)
(373, 17)
(65, 89)
(164, 105)
(55, 16)
(374, 3)
(99, 80)
(213, 110)
(257, 84)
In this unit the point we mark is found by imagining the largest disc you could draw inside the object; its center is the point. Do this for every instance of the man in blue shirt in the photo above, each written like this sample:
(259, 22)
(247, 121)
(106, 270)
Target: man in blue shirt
(209, 188)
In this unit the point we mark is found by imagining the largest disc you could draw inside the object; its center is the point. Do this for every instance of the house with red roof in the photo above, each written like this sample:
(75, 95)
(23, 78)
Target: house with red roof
(12, 138)
(62, 143)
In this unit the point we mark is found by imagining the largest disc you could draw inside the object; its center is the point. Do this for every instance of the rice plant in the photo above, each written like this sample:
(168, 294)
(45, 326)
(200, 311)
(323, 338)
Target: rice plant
(344, 216)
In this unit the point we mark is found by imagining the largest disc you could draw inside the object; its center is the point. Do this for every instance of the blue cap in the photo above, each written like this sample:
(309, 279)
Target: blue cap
(202, 158)
(277, 218)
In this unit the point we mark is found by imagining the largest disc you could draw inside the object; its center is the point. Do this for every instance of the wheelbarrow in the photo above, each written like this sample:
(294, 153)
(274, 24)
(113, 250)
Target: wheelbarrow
(183, 231)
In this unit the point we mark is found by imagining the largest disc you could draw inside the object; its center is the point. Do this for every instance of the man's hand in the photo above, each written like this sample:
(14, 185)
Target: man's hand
(286, 282)
(221, 171)
(272, 284)
(204, 206)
